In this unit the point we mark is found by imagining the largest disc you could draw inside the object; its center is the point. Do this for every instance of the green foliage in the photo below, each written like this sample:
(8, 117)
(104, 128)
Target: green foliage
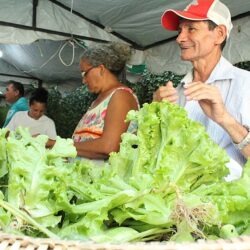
(149, 82)
(3, 113)
(243, 65)
(66, 111)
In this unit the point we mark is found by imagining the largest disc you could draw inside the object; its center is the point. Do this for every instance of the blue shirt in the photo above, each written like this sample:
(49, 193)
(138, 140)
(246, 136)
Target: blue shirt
(234, 86)
(20, 105)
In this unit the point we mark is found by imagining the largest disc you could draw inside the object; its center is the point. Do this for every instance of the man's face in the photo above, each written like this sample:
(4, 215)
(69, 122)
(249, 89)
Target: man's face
(11, 95)
(196, 41)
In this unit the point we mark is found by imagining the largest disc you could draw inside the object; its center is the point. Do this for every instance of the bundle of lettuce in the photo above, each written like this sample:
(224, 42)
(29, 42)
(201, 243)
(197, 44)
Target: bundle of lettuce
(165, 184)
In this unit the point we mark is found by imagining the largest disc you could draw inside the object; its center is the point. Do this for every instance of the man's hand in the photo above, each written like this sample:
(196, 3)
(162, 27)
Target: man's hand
(209, 98)
(211, 102)
(166, 93)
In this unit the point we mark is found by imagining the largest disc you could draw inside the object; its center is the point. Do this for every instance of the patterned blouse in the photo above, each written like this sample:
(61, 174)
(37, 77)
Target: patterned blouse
(92, 123)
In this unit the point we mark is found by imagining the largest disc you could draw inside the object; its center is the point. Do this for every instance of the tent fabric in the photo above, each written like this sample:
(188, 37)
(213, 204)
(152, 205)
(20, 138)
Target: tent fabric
(31, 36)
(41, 60)
(49, 16)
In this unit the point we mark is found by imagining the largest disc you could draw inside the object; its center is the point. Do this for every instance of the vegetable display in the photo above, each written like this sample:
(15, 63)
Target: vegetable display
(166, 183)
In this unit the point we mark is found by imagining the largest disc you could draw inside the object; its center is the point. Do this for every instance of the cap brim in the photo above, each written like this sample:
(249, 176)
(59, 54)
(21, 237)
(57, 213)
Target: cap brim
(170, 18)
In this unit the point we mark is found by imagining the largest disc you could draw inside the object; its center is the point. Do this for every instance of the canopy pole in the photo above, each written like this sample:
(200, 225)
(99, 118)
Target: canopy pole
(40, 83)
(34, 14)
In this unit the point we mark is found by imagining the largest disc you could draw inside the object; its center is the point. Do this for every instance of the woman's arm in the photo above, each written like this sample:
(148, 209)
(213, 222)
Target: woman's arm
(121, 102)
(50, 143)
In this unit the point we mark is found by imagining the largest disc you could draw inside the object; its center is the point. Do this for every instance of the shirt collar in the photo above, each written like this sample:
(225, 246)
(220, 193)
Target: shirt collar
(19, 100)
(222, 71)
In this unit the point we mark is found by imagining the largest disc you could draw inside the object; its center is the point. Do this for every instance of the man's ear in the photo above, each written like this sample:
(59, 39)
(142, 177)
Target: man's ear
(16, 92)
(221, 33)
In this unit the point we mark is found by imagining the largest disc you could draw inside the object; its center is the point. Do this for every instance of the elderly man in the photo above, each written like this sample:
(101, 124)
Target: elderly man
(215, 93)
(14, 95)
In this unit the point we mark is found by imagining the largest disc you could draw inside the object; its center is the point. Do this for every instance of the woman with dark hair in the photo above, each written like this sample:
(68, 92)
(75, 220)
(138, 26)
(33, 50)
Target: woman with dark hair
(35, 119)
(99, 131)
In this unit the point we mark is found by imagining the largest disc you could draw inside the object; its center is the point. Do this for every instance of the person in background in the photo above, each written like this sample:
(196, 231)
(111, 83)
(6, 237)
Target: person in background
(214, 92)
(99, 131)
(14, 95)
(35, 119)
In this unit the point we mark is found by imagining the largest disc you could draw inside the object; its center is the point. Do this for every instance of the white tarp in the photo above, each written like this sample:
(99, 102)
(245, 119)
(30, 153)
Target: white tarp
(49, 16)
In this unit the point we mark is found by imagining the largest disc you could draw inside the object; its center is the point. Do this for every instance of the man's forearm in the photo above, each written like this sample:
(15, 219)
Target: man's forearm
(238, 134)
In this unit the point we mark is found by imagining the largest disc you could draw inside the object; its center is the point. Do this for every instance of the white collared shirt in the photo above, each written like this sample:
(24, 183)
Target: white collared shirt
(234, 86)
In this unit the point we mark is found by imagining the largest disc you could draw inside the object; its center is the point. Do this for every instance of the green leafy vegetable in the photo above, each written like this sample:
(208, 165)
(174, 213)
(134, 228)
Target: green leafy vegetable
(165, 183)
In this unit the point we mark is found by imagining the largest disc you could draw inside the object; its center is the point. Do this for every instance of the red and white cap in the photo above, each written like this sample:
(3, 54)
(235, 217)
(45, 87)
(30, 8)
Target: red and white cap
(199, 10)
